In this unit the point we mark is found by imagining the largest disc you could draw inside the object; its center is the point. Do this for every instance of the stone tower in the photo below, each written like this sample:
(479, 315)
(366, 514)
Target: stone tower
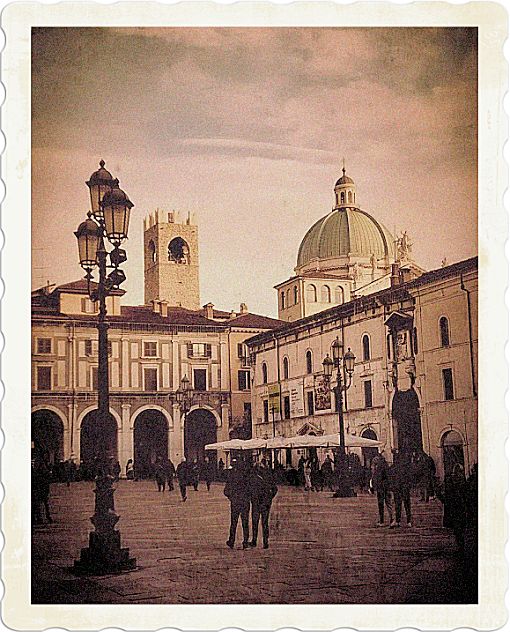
(171, 267)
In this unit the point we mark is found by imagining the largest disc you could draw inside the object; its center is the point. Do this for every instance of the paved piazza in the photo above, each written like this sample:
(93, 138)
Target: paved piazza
(322, 550)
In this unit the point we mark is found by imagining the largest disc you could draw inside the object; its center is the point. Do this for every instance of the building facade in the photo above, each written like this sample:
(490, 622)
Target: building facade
(415, 380)
(151, 348)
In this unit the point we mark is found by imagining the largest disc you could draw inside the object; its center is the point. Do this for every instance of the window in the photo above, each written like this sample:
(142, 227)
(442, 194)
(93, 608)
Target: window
(44, 378)
(350, 196)
(366, 347)
(178, 251)
(415, 340)
(311, 294)
(309, 367)
(247, 412)
(444, 331)
(266, 411)
(286, 407)
(309, 401)
(295, 295)
(95, 379)
(241, 350)
(43, 345)
(88, 347)
(200, 379)
(264, 373)
(88, 306)
(282, 299)
(342, 198)
(325, 294)
(199, 350)
(109, 347)
(388, 346)
(152, 251)
(367, 386)
(150, 349)
(243, 378)
(285, 368)
(448, 384)
(288, 297)
(150, 379)
(339, 294)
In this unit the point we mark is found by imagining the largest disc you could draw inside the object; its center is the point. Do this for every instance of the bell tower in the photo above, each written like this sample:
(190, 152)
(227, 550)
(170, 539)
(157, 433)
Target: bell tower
(171, 269)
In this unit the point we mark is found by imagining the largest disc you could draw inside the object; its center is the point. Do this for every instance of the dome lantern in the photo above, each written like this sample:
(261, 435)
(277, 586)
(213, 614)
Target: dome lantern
(345, 192)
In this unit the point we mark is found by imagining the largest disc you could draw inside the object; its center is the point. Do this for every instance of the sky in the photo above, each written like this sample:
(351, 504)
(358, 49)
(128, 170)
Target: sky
(247, 129)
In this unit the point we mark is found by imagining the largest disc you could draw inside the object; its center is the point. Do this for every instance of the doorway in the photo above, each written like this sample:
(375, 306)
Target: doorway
(453, 451)
(47, 436)
(150, 441)
(97, 435)
(199, 430)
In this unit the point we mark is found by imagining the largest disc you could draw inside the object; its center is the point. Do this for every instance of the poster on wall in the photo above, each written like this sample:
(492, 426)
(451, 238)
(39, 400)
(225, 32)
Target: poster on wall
(322, 391)
(274, 401)
(297, 406)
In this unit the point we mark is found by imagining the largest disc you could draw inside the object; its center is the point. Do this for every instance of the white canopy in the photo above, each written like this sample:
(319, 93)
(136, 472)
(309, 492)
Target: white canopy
(298, 441)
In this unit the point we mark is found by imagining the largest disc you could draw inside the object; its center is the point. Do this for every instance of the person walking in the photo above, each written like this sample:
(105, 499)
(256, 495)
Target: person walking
(307, 473)
(208, 472)
(301, 469)
(455, 504)
(182, 477)
(401, 484)
(263, 489)
(327, 473)
(160, 474)
(381, 485)
(221, 469)
(315, 475)
(195, 474)
(237, 490)
(41, 484)
(169, 474)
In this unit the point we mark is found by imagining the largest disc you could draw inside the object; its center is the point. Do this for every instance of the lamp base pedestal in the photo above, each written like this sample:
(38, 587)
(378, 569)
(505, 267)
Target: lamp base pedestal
(345, 490)
(104, 556)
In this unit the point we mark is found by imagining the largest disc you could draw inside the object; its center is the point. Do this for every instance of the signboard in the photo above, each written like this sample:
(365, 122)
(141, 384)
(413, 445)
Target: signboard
(273, 392)
(322, 392)
(297, 404)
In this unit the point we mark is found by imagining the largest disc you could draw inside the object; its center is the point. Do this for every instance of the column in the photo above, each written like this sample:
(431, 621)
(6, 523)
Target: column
(176, 436)
(224, 428)
(70, 432)
(124, 364)
(224, 366)
(126, 450)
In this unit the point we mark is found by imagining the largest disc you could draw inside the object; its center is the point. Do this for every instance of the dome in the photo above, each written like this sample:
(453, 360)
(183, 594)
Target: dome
(344, 180)
(345, 231)
(101, 175)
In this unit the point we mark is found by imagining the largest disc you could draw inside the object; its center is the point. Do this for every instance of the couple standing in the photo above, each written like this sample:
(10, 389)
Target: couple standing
(255, 485)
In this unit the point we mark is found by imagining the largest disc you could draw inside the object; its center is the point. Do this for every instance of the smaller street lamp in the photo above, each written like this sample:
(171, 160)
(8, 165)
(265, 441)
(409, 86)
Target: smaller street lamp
(344, 365)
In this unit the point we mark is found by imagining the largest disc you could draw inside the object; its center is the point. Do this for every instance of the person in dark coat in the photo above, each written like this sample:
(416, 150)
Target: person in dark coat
(263, 489)
(455, 508)
(431, 469)
(381, 485)
(116, 471)
(401, 484)
(208, 472)
(195, 474)
(301, 469)
(182, 477)
(237, 490)
(130, 470)
(316, 476)
(160, 474)
(169, 474)
(41, 478)
(221, 470)
(327, 473)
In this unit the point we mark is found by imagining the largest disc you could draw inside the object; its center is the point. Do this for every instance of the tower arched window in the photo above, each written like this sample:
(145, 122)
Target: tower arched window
(350, 197)
(325, 294)
(311, 293)
(342, 198)
(264, 373)
(365, 342)
(309, 365)
(152, 251)
(444, 330)
(295, 295)
(288, 297)
(339, 294)
(178, 251)
(282, 299)
(285, 368)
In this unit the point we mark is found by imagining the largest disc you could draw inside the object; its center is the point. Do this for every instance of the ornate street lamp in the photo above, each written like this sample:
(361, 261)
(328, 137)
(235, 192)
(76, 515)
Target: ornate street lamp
(108, 218)
(184, 396)
(344, 365)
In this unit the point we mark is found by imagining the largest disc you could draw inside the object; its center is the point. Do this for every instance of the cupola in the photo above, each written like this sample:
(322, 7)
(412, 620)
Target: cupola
(345, 192)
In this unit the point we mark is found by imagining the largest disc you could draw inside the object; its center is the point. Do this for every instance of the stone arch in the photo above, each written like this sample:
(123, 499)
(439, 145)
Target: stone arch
(179, 251)
(150, 439)
(406, 416)
(55, 410)
(47, 434)
(162, 410)
(452, 442)
(210, 409)
(89, 409)
(200, 429)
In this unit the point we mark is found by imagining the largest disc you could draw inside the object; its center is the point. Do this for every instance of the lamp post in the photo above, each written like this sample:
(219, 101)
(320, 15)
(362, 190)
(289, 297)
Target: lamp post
(344, 365)
(108, 219)
(184, 397)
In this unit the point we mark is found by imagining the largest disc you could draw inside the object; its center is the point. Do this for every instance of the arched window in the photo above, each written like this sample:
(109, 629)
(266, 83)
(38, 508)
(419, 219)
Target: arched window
(339, 294)
(350, 197)
(152, 251)
(295, 295)
(365, 341)
(311, 294)
(283, 299)
(288, 297)
(285, 368)
(178, 251)
(444, 331)
(264, 373)
(342, 198)
(325, 294)
(309, 367)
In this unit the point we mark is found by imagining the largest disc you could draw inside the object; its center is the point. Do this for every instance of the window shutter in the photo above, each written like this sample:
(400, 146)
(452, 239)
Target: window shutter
(208, 351)
(190, 349)
(239, 349)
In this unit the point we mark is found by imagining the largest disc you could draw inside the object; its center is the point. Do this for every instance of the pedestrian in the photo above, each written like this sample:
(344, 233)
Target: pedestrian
(237, 490)
(70, 471)
(431, 468)
(263, 489)
(182, 477)
(41, 486)
(195, 474)
(307, 473)
(381, 485)
(327, 473)
(301, 469)
(315, 475)
(208, 472)
(169, 474)
(160, 474)
(401, 484)
(455, 507)
(130, 470)
(116, 471)
(221, 469)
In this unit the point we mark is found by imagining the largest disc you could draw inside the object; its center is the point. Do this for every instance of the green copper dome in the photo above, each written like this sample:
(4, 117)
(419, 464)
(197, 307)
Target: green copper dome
(345, 231)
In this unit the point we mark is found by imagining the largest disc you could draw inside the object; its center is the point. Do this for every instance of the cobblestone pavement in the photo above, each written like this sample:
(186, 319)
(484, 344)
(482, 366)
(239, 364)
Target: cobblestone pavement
(322, 550)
